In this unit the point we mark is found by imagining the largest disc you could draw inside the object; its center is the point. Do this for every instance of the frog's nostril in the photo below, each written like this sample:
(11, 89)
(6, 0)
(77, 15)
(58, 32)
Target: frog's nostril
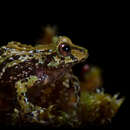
(85, 52)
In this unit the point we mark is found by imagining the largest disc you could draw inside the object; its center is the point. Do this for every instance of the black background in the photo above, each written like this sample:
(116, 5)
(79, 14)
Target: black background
(103, 34)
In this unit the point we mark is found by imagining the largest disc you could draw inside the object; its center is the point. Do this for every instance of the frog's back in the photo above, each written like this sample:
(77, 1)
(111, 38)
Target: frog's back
(12, 56)
(14, 48)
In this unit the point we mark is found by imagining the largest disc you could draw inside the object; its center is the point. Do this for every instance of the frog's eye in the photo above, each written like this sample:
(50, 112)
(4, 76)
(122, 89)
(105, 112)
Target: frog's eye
(64, 49)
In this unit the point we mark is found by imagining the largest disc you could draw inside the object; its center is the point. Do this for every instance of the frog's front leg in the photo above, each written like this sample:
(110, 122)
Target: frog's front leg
(26, 107)
(71, 80)
(76, 85)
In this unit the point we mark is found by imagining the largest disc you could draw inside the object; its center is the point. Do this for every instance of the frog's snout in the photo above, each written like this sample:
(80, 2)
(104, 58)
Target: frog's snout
(80, 53)
(83, 53)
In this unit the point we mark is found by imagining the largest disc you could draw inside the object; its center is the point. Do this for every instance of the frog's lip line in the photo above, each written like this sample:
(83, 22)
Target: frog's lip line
(68, 65)
(84, 59)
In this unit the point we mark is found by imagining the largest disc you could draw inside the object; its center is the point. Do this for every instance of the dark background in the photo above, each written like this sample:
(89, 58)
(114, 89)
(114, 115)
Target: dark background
(104, 39)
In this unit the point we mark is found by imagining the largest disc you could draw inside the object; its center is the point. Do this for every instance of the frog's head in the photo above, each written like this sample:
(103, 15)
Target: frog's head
(67, 53)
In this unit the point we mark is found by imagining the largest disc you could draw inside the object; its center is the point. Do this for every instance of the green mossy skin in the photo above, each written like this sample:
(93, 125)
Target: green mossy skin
(99, 108)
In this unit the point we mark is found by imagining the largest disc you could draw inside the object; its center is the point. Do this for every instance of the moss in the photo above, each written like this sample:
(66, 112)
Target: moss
(99, 108)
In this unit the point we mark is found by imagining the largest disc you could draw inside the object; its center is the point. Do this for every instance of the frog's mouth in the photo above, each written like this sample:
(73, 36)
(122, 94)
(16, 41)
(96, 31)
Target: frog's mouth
(75, 61)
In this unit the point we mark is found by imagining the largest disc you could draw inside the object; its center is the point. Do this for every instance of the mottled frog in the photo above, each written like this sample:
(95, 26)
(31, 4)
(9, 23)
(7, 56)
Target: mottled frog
(26, 71)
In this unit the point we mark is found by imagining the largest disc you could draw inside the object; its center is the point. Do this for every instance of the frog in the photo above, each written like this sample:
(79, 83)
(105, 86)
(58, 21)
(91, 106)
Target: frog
(26, 70)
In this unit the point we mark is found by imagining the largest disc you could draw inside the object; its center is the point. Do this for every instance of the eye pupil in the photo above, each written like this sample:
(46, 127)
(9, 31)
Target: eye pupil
(66, 48)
